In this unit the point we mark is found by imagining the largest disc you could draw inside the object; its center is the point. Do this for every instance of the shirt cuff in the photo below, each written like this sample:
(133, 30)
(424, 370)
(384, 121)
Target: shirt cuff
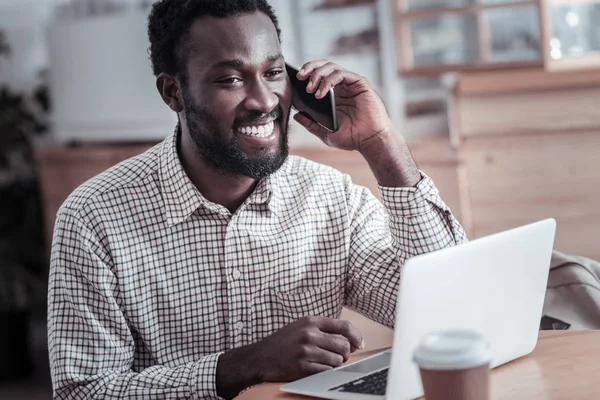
(204, 378)
(412, 201)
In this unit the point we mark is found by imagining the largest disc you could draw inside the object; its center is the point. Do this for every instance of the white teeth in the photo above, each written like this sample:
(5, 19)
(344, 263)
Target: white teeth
(261, 131)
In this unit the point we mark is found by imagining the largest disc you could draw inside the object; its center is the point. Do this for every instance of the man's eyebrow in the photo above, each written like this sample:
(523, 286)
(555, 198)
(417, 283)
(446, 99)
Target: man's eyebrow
(227, 64)
(239, 63)
(274, 57)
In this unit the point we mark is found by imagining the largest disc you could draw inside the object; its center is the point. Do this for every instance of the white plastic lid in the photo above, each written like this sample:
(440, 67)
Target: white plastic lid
(452, 349)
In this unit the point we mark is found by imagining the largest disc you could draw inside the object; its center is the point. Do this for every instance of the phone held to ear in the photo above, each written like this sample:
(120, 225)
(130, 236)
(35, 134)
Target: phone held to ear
(322, 111)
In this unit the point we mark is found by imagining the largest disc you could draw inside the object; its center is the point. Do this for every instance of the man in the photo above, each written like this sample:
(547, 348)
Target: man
(214, 261)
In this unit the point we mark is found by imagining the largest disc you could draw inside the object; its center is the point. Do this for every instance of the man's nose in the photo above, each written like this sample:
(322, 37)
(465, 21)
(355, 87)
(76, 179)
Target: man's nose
(261, 98)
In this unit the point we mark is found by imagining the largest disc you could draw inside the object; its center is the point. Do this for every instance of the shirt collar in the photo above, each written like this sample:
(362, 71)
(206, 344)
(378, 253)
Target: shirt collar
(182, 198)
(267, 192)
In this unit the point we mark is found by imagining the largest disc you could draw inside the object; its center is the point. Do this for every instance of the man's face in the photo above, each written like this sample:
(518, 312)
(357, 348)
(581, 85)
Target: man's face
(236, 94)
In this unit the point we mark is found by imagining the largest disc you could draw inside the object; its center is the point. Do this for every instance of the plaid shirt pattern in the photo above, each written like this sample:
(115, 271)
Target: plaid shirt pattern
(150, 282)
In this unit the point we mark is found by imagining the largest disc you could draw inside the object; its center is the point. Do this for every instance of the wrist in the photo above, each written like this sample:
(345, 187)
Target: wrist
(383, 143)
(389, 158)
(237, 369)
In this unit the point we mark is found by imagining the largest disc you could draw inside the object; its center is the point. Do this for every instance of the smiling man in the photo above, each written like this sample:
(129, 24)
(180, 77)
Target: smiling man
(214, 261)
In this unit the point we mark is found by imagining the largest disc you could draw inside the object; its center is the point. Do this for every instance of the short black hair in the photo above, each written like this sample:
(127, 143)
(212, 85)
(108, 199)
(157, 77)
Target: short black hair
(170, 20)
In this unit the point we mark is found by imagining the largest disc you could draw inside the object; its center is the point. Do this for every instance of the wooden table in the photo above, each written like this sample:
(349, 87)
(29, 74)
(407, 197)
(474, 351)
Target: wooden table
(564, 365)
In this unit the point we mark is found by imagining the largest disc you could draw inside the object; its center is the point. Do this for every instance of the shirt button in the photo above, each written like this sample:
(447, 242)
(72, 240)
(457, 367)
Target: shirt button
(236, 274)
(239, 326)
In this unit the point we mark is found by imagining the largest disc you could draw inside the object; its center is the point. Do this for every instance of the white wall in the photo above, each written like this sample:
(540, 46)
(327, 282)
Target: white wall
(285, 14)
(23, 22)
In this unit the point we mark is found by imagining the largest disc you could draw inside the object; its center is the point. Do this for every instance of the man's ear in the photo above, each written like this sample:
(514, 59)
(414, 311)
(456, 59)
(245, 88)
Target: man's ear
(170, 90)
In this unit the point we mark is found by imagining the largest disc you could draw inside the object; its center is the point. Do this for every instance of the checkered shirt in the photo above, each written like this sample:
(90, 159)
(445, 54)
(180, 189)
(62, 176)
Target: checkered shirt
(150, 282)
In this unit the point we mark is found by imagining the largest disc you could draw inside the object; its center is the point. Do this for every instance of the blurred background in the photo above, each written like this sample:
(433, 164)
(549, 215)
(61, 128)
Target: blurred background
(498, 99)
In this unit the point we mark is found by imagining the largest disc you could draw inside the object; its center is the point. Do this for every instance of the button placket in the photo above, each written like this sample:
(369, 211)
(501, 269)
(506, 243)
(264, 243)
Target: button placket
(237, 288)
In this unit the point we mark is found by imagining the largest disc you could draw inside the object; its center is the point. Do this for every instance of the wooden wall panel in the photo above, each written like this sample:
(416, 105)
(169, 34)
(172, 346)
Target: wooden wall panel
(529, 112)
(521, 179)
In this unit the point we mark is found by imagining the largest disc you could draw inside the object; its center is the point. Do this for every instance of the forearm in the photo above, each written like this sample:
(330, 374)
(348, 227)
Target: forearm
(390, 160)
(412, 221)
(213, 376)
(189, 381)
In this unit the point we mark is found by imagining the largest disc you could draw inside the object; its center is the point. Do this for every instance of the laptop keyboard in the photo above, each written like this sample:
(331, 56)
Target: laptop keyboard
(374, 383)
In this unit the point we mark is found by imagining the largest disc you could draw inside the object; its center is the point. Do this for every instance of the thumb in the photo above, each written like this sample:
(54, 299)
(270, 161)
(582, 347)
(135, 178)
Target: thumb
(310, 125)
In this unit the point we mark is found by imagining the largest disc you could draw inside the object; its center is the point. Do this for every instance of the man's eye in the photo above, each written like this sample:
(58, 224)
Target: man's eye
(230, 80)
(274, 73)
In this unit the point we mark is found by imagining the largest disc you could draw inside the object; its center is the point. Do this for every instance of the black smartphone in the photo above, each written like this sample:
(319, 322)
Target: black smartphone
(322, 111)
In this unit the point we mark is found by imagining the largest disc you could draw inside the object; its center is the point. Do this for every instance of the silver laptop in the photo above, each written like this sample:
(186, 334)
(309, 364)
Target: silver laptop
(494, 285)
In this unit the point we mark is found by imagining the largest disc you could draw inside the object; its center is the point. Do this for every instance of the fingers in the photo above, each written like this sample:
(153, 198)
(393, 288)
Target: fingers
(344, 328)
(321, 356)
(335, 343)
(318, 74)
(307, 69)
(323, 76)
(329, 81)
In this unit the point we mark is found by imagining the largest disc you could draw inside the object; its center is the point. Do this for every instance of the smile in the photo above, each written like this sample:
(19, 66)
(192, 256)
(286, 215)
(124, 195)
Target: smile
(261, 131)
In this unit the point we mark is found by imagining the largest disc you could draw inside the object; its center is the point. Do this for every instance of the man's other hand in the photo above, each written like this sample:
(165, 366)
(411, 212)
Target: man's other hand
(305, 347)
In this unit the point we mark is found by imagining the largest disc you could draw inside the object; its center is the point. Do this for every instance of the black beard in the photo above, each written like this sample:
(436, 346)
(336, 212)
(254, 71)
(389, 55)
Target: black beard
(227, 157)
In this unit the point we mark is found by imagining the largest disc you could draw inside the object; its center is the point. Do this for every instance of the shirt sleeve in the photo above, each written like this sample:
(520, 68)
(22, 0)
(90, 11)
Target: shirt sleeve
(384, 235)
(90, 344)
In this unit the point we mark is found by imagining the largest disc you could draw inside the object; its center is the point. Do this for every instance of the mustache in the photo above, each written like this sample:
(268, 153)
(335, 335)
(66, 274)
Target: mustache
(258, 118)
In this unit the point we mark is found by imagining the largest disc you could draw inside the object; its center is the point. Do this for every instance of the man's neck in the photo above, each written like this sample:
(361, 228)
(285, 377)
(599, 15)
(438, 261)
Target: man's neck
(217, 187)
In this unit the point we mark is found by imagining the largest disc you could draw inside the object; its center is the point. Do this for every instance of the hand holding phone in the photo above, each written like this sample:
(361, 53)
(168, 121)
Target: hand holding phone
(322, 111)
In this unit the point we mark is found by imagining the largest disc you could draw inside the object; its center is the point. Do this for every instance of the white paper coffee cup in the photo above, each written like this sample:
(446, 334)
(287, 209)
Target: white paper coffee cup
(454, 364)
(453, 349)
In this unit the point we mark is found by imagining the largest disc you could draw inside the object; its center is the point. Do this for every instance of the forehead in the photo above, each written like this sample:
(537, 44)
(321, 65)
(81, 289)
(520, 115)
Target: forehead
(245, 37)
